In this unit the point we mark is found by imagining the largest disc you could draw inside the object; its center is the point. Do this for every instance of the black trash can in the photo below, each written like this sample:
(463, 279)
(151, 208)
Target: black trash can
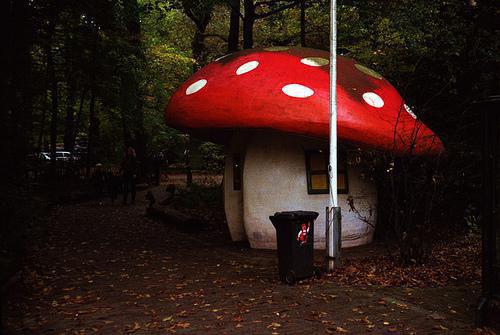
(295, 238)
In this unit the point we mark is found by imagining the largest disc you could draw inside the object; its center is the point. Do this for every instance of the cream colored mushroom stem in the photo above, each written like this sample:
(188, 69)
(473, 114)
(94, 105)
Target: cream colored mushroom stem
(333, 223)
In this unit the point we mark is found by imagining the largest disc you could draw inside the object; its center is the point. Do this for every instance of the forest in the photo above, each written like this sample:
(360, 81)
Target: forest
(93, 77)
(99, 74)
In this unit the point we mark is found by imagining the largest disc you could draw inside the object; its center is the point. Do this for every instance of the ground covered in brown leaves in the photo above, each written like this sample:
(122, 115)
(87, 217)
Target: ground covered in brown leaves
(104, 269)
(452, 262)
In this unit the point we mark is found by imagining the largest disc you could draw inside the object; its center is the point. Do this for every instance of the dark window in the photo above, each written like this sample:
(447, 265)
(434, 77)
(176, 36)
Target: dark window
(317, 172)
(237, 172)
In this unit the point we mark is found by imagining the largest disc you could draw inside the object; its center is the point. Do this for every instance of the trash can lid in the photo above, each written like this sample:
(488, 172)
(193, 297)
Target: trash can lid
(296, 215)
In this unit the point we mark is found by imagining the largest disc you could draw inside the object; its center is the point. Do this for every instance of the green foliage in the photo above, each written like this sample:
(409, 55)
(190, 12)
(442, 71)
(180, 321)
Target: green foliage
(110, 146)
(212, 157)
(169, 64)
(163, 25)
(166, 70)
(131, 55)
(105, 70)
(440, 55)
(199, 196)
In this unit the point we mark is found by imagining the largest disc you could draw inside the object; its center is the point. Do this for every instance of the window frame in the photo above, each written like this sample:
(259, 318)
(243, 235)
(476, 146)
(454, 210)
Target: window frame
(342, 168)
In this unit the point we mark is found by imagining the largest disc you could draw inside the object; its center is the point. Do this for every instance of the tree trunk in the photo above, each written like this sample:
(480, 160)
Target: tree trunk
(248, 22)
(91, 133)
(54, 95)
(127, 108)
(78, 117)
(303, 23)
(69, 122)
(198, 46)
(15, 138)
(130, 90)
(16, 117)
(234, 27)
(42, 120)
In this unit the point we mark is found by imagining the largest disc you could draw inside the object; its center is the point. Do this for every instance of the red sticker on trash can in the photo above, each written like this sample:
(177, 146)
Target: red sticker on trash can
(303, 233)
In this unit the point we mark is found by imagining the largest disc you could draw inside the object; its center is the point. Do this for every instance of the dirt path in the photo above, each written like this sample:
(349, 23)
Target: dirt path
(109, 270)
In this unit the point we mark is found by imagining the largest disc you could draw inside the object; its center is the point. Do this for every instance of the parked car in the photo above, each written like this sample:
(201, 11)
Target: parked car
(63, 156)
(60, 156)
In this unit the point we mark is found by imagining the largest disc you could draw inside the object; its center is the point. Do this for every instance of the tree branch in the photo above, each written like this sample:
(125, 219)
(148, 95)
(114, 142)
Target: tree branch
(267, 3)
(190, 14)
(277, 10)
(231, 5)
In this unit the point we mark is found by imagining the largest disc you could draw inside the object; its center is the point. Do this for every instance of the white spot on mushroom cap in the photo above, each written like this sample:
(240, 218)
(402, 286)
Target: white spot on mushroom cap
(297, 91)
(409, 111)
(222, 57)
(247, 67)
(373, 99)
(196, 86)
(368, 71)
(315, 61)
(276, 48)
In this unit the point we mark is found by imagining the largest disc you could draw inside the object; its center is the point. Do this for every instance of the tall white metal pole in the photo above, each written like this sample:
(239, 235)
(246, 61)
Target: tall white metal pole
(333, 105)
(333, 213)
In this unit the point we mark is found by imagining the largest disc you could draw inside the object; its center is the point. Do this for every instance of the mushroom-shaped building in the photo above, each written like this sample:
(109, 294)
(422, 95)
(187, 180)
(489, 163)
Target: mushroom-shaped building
(270, 107)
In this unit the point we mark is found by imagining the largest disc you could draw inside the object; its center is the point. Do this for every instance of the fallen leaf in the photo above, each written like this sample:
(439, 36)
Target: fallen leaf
(436, 316)
(341, 330)
(440, 327)
(183, 325)
(182, 313)
(134, 328)
(274, 325)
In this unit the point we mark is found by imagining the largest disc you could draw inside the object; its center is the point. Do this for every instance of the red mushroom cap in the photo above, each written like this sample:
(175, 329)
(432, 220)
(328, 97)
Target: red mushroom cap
(287, 89)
